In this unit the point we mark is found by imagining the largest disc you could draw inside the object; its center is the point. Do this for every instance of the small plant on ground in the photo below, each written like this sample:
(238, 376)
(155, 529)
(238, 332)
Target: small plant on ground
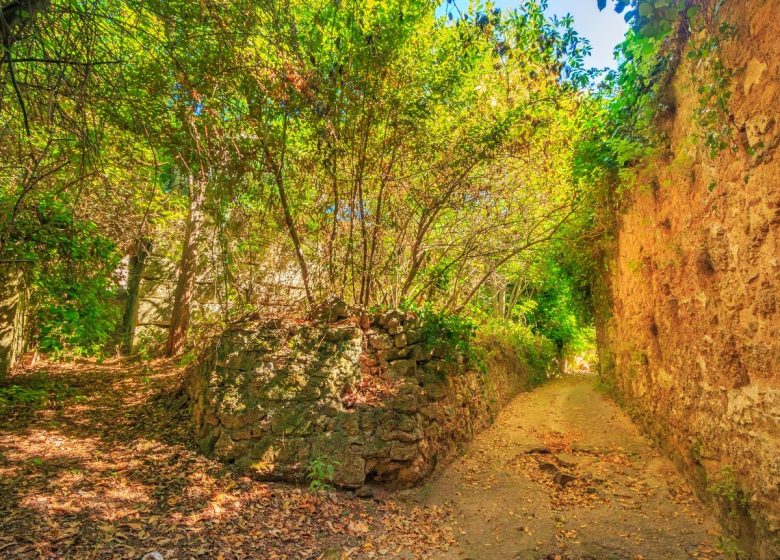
(187, 358)
(320, 474)
(149, 343)
(15, 395)
(730, 548)
(48, 394)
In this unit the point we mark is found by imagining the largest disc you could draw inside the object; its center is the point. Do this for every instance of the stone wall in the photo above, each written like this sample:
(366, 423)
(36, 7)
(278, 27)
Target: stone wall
(155, 305)
(366, 393)
(692, 340)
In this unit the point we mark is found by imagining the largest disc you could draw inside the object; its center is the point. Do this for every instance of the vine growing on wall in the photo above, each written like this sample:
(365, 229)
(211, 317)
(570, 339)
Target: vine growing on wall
(623, 119)
(713, 79)
(634, 97)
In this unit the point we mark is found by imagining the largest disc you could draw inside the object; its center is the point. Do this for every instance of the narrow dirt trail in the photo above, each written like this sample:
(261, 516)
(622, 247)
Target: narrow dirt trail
(564, 473)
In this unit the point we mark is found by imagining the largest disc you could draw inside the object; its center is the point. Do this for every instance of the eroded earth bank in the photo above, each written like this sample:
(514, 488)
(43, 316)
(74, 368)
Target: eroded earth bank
(689, 312)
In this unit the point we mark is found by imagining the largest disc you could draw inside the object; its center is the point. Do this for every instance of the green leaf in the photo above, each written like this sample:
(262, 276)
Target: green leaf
(646, 9)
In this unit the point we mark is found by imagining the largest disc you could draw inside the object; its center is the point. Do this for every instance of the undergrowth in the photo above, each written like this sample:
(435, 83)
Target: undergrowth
(320, 474)
(536, 351)
(38, 396)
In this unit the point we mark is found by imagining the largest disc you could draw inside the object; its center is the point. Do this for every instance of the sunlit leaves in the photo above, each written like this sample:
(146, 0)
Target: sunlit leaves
(419, 155)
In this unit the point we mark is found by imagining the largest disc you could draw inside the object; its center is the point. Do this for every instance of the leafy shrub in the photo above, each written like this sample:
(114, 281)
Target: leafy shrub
(73, 292)
(537, 351)
(455, 332)
(558, 315)
(320, 474)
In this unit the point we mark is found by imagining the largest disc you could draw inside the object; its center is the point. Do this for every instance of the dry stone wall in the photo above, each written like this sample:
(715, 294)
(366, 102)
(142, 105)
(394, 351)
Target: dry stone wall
(691, 341)
(366, 394)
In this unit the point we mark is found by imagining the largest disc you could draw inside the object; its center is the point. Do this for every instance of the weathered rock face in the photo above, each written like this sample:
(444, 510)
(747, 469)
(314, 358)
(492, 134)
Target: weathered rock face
(692, 343)
(273, 396)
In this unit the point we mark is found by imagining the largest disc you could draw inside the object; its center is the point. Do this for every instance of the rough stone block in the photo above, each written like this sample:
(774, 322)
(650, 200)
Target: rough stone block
(332, 309)
(379, 340)
(413, 336)
(390, 319)
(403, 452)
(401, 368)
(393, 354)
(420, 353)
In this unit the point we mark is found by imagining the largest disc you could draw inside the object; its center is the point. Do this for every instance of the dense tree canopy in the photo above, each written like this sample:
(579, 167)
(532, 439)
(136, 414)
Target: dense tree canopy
(375, 151)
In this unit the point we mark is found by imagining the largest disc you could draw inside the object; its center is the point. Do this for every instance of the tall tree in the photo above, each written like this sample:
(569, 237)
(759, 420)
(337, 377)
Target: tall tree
(188, 268)
(135, 269)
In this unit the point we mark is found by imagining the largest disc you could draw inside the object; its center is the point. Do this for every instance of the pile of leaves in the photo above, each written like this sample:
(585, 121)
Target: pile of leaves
(565, 488)
(577, 476)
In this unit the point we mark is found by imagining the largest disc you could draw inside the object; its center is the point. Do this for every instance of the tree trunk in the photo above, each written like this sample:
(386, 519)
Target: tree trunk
(135, 271)
(290, 221)
(180, 319)
(500, 302)
(278, 171)
(13, 313)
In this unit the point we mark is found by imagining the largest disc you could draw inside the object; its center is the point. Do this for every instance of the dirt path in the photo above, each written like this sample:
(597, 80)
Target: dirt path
(563, 473)
(103, 468)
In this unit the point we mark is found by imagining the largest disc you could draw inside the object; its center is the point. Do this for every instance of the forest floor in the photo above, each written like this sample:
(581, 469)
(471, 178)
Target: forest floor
(96, 463)
(564, 473)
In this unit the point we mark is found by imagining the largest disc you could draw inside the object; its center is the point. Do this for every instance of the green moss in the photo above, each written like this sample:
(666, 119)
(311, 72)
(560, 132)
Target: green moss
(695, 451)
(634, 266)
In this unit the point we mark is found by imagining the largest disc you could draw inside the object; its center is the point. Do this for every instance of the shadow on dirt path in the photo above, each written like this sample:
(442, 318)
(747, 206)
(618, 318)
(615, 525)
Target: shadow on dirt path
(564, 473)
